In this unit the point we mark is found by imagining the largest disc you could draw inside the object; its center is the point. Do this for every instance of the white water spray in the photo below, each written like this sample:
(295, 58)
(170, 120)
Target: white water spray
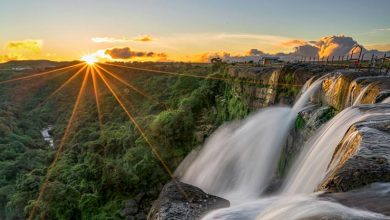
(238, 160)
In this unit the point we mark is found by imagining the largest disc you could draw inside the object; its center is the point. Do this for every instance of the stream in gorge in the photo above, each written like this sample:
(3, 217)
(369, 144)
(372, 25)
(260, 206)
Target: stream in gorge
(239, 160)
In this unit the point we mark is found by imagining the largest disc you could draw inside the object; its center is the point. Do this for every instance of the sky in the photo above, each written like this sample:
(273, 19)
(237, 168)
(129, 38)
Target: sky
(182, 29)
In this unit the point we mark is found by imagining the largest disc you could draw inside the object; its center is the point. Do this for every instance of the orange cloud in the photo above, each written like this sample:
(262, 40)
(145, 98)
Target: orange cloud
(294, 43)
(110, 40)
(32, 45)
(8, 57)
(145, 38)
(126, 54)
(382, 47)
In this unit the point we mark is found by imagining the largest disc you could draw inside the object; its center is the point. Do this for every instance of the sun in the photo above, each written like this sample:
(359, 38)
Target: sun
(89, 59)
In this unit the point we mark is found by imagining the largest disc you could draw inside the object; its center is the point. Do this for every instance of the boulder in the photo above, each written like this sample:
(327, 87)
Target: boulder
(179, 201)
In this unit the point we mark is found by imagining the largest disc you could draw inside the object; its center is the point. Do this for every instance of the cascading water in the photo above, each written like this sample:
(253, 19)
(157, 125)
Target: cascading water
(300, 207)
(296, 199)
(312, 164)
(230, 163)
(362, 93)
(239, 160)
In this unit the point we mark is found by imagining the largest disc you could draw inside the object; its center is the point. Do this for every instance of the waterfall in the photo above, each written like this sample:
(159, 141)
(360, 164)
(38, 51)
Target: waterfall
(233, 163)
(362, 93)
(298, 207)
(312, 164)
(237, 162)
(296, 199)
(309, 207)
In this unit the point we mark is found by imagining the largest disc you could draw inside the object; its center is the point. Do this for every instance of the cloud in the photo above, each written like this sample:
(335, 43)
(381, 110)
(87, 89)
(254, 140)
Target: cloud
(324, 47)
(110, 40)
(306, 50)
(255, 52)
(8, 57)
(32, 45)
(252, 55)
(382, 47)
(127, 53)
(145, 38)
(329, 46)
(382, 29)
(294, 43)
(335, 45)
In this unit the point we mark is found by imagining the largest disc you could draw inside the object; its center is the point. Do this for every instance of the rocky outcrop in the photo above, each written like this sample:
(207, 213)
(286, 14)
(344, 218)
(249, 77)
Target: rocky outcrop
(347, 88)
(256, 85)
(374, 197)
(307, 122)
(362, 161)
(179, 201)
(264, 86)
(362, 157)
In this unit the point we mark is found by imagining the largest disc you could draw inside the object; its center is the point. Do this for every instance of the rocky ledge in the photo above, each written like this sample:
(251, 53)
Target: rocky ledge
(179, 201)
(374, 197)
(362, 157)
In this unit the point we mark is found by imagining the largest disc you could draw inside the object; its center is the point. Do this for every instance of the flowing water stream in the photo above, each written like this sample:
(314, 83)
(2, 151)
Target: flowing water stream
(238, 162)
(361, 95)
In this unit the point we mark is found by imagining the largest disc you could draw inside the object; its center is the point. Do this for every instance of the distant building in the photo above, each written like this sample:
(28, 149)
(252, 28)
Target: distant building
(269, 60)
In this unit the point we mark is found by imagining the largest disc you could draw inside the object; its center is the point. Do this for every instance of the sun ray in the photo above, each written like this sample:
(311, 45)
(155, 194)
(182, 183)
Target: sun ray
(64, 84)
(97, 97)
(61, 146)
(140, 130)
(39, 74)
(204, 77)
(139, 91)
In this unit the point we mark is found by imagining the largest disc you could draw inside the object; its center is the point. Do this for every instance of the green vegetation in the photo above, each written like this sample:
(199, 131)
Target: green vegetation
(99, 170)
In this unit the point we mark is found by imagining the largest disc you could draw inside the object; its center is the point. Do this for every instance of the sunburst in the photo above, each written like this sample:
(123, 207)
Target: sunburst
(89, 59)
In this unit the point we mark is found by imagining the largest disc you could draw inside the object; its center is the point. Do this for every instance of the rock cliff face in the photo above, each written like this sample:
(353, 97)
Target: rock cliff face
(256, 85)
(345, 89)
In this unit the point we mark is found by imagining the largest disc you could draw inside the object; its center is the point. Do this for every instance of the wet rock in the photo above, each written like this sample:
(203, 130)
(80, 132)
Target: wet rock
(362, 157)
(343, 89)
(307, 122)
(179, 201)
(375, 198)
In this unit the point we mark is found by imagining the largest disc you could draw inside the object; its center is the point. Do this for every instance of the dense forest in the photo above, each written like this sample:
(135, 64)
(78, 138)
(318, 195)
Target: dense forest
(103, 166)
